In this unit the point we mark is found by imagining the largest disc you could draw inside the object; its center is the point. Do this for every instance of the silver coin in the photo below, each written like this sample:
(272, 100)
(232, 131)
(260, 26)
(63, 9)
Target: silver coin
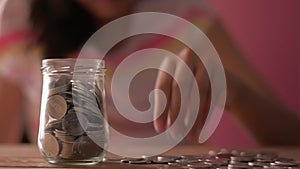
(217, 162)
(53, 124)
(83, 92)
(84, 148)
(140, 162)
(93, 117)
(50, 145)
(235, 152)
(163, 159)
(187, 161)
(248, 154)
(266, 155)
(81, 85)
(67, 151)
(175, 166)
(200, 165)
(223, 155)
(127, 160)
(276, 167)
(113, 159)
(92, 91)
(196, 157)
(258, 164)
(59, 89)
(284, 164)
(87, 105)
(64, 136)
(239, 166)
(74, 123)
(56, 107)
(261, 160)
(63, 80)
(242, 158)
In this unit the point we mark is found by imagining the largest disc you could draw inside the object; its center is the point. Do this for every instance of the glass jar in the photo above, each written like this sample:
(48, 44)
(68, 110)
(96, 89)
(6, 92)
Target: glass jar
(73, 126)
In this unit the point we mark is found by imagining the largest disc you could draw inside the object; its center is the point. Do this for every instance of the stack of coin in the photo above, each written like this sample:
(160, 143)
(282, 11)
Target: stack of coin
(74, 121)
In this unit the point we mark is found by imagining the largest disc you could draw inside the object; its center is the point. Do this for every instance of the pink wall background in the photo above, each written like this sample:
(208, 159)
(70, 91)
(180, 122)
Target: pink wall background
(268, 34)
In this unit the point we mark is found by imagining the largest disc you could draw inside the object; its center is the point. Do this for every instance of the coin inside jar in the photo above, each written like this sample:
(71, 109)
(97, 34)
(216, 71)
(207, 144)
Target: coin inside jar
(63, 80)
(74, 123)
(56, 90)
(85, 147)
(53, 124)
(66, 151)
(50, 145)
(56, 107)
(72, 118)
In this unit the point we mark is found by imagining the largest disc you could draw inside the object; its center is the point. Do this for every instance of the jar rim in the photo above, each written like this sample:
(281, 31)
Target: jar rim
(67, 64)
(74, 60)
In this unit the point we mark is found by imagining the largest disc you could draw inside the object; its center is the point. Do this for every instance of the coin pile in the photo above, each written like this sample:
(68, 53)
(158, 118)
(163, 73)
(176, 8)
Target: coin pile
(223, 159)
(73, 120)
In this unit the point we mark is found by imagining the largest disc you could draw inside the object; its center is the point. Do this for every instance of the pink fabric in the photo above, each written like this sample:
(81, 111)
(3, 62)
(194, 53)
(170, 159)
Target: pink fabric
(268, 34)
(8, 39)
(190, 15)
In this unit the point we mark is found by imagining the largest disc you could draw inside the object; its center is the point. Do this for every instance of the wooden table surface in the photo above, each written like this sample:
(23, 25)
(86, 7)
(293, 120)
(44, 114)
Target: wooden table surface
(28, 156)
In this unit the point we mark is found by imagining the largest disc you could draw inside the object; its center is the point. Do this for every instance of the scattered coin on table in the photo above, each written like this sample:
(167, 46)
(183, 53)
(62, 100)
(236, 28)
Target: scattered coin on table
(231, 160)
